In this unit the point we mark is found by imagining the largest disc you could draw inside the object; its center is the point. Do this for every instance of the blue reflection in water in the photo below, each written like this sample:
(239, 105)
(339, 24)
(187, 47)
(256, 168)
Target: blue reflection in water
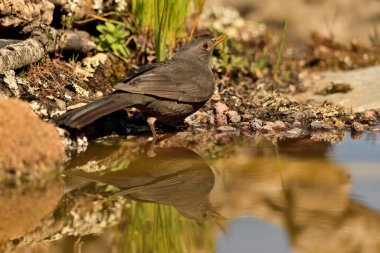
(361, 158)
(247, 235)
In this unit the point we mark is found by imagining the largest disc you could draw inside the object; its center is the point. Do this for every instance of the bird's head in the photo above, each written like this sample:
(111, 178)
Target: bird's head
(199, 48)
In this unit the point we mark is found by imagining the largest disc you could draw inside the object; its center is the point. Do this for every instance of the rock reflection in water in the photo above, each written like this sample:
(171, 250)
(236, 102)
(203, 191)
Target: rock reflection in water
(306, 195)
(174, 176)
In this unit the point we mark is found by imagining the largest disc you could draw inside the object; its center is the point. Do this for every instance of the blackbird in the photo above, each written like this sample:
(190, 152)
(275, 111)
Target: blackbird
(176, 177)
(167, 91)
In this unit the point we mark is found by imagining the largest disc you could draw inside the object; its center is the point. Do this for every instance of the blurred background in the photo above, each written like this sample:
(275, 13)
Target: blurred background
(343, 19)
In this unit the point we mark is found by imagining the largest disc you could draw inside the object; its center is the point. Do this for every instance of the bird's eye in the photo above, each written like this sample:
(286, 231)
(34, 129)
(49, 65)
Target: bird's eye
(205, 46)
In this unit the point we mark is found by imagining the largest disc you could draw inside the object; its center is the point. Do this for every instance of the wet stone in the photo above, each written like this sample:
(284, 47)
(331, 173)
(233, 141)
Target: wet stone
(356, 127)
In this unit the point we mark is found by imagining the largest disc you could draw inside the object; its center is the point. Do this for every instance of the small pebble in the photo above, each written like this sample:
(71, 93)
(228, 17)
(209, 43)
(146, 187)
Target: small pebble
(220, 120)
(67, 98)
(279, 125)
(267, 129)
(197, 119)
(246, 117)
(339, 124)
(356, 127)
(245, 126)
(61, 104)
(296, 116)
(233, 117)
(226, 129)
(368, 116)
(296, 124)
(294, 133)
(256, 124)
(320, 125)
(220, 108)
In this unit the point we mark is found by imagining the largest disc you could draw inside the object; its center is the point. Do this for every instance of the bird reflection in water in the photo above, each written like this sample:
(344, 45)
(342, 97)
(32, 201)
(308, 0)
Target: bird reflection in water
(175, 176)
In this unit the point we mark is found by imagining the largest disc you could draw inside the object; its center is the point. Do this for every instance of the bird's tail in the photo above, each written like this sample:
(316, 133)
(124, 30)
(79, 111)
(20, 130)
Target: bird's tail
(80, 117)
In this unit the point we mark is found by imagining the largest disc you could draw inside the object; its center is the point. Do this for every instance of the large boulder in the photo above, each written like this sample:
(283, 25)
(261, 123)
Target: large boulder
(29, 147)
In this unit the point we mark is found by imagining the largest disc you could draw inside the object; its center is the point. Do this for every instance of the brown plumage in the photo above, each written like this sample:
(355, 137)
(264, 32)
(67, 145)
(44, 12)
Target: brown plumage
(167, 91)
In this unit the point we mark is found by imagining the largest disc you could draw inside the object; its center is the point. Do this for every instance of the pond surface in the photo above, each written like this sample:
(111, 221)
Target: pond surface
(236, 195)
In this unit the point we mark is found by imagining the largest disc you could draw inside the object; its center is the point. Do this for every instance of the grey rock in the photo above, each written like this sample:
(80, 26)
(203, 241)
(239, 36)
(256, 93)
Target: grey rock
(364, 83)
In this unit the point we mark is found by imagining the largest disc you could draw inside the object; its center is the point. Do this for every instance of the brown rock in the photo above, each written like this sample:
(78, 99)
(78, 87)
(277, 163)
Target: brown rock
(220, 120)
(29, 146)
(356, 127)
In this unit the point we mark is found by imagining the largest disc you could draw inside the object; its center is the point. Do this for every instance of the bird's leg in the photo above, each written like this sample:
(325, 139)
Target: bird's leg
(151, 121)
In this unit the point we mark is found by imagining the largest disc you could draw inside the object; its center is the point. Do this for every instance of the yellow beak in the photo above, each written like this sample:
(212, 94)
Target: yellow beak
(219, 39)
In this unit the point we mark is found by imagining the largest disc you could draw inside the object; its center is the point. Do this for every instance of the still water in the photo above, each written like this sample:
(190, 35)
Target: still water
(227, 194)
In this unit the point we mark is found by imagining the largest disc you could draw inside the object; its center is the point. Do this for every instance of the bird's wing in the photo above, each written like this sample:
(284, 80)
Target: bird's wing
(179, 82)
(136, 72)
